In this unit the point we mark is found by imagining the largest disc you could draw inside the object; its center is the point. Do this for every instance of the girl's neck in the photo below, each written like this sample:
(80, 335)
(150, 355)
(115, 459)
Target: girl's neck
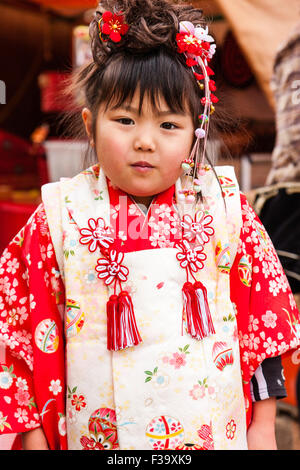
(146, 201)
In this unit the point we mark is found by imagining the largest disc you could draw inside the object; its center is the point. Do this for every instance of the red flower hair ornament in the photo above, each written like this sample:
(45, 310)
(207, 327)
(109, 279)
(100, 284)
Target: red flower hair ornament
(198, 48)
(113, 26)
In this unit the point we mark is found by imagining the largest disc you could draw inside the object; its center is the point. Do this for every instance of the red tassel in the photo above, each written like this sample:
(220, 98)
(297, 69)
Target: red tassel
(203, 311)
(112, 319)
(122, 331)
(128, 334)
(196, 314)
(189, 314)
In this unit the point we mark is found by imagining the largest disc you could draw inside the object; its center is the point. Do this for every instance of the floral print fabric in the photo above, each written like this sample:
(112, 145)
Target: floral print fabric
(267, 315)
(31, 337)
(32, 388)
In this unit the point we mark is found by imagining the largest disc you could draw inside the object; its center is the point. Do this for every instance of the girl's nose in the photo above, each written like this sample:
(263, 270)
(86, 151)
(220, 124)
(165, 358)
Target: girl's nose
(144, 142)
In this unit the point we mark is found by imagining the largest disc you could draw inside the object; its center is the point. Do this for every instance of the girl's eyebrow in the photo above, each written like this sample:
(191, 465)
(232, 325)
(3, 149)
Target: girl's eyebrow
(166, 112)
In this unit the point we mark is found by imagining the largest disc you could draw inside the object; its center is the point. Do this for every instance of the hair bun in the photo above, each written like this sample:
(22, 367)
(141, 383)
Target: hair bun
(152, 23)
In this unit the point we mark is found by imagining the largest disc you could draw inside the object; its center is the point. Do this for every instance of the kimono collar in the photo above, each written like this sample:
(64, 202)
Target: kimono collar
(165, 197)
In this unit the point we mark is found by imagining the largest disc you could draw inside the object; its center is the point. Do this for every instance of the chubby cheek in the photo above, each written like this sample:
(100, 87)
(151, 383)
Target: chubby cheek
(172, 165)
(172, 170)
(111, 154)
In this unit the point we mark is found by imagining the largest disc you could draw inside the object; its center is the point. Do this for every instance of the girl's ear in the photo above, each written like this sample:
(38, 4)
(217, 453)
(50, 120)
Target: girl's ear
(87, 119)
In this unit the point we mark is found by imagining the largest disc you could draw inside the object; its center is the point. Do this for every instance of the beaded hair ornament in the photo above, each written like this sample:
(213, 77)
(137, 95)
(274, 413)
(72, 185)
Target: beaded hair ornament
(197, 46)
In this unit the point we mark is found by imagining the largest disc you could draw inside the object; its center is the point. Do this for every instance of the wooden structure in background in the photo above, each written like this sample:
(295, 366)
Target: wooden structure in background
(260, 27)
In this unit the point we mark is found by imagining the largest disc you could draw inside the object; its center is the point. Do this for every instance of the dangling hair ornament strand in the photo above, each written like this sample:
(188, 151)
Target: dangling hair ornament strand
(196, 44)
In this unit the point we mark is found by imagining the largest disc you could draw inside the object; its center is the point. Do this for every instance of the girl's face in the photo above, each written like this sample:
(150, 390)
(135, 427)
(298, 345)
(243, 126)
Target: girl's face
(141, 153)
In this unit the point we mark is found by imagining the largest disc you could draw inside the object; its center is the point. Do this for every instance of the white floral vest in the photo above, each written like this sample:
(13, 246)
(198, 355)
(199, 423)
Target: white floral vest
(171, 391)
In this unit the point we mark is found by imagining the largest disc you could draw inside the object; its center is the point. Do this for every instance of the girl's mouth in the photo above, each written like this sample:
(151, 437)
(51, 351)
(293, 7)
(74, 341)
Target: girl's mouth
(142, 166)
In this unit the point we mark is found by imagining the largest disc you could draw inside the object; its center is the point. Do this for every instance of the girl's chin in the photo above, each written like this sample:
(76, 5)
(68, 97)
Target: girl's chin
(142, 191)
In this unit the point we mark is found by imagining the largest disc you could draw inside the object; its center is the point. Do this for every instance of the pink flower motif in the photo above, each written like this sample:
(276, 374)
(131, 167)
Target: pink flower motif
(165, 359)
(158, 445)
(198, 228)
(176, 426)
(269, 319)
(21, 415)
(198, 391)
(178, 360)
(22, 397)
(97, 235)
(191, 258)
(62, 425)
(111, 269)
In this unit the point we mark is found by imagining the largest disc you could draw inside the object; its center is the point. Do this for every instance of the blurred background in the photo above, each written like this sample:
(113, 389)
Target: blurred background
(257, 67)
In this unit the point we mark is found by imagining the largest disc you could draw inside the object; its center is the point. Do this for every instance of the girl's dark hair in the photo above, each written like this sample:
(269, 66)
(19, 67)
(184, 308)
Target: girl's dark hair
(145, 59)
(155, 74)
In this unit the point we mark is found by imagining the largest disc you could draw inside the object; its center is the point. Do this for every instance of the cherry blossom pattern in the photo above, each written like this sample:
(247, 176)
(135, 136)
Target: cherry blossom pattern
(230, 429)
(22, 400)
(198, 391)
(198, 228)
(177, 359)
(113, 26)
(264, 258)
(191, 259)
(202, 389)
(110, 269)
(55, 387)
(62, 424)
(97, 235)
(78, 401)
(165, 226)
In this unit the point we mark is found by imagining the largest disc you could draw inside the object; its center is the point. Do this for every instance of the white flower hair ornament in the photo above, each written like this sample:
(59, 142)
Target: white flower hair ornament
(198, 48)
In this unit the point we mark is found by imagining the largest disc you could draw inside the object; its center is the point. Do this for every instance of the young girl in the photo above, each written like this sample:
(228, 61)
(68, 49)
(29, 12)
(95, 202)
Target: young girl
(143, 305)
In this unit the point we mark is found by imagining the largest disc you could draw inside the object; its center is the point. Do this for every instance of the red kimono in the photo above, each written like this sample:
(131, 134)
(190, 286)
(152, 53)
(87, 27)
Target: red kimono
(32, 382)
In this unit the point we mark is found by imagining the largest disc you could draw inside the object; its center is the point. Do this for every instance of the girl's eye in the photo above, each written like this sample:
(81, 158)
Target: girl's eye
(168, 125)
(125, 121)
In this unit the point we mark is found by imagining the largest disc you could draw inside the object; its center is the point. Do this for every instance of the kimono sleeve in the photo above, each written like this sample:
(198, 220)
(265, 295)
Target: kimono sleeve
(267, 315)
(31, 366)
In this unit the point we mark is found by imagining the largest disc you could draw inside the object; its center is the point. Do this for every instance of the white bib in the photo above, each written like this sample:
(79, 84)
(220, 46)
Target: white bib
(171, 390)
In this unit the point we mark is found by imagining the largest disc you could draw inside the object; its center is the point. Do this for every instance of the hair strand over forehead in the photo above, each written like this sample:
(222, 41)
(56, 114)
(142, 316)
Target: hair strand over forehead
(156, 75)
